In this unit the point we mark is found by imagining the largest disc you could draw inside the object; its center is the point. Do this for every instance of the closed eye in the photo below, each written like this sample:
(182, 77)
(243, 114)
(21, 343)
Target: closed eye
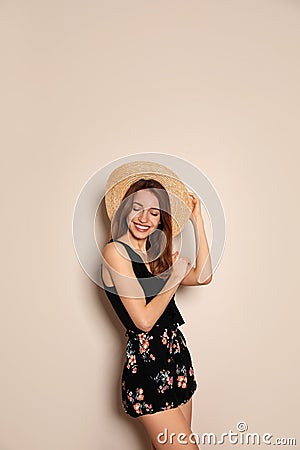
(155, 214)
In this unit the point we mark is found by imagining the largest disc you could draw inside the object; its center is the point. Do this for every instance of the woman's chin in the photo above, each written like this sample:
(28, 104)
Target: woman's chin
(139, 234)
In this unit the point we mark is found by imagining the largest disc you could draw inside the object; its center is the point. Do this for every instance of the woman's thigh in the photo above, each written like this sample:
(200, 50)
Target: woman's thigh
(186, 409)
(169, 430)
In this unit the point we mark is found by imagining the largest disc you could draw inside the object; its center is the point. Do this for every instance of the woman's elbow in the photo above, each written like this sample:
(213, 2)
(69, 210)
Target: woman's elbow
(206, 281)
(143, 325)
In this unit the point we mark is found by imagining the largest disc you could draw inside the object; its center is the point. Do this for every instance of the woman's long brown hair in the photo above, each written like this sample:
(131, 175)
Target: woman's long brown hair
(159, 246)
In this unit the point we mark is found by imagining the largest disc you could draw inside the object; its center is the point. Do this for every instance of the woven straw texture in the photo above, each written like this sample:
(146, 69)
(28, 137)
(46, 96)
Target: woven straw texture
(122, 178)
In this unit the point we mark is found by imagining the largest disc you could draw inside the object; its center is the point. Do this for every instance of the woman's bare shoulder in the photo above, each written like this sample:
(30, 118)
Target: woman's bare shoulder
(114, 252)
(117, 259)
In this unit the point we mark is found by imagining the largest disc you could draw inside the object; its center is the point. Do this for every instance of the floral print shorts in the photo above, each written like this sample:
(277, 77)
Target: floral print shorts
(158, 373)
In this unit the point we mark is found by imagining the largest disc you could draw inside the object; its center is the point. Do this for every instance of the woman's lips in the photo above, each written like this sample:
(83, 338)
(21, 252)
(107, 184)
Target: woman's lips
(141, 228)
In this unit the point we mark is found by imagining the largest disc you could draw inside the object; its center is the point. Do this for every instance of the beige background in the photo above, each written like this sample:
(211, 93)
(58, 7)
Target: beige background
(83, 83)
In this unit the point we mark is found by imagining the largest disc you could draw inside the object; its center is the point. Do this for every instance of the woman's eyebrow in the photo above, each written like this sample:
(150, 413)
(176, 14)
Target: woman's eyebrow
(140, 204)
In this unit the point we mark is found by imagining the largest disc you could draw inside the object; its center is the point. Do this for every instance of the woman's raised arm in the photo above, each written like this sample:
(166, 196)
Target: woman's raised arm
(202, 272)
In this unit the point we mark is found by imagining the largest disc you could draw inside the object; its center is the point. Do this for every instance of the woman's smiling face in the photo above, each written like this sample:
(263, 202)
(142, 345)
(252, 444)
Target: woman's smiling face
(144, 217)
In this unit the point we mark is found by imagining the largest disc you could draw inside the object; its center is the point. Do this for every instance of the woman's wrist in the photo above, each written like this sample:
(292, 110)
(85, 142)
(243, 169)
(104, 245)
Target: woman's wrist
(197, 220)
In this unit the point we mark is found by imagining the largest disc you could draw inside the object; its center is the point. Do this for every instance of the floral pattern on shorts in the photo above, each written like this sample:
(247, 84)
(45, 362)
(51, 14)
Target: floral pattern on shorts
(144, 346)
(158, 373)
(168, 340)
(136, 399)
(182, 376)
(164, 380)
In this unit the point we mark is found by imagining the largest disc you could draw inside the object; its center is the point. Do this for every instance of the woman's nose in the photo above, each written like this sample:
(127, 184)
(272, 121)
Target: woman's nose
(143, 215)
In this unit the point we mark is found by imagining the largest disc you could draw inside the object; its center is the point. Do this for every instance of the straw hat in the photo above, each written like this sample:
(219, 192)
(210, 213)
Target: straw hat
(123, 176)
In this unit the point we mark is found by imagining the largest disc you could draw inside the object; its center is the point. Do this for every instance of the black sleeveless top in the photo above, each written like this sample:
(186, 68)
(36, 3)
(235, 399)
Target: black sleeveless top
(150, 284)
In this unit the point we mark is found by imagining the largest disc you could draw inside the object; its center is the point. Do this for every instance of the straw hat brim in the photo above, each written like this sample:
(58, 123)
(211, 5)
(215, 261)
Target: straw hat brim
(123, 176)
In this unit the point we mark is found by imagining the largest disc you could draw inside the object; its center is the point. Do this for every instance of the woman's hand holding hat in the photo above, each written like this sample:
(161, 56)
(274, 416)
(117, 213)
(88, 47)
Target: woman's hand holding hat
(196, 206)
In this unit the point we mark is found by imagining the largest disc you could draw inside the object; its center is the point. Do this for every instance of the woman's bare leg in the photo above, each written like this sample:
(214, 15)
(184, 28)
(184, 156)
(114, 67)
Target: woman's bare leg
(187, 410)
(168, 422)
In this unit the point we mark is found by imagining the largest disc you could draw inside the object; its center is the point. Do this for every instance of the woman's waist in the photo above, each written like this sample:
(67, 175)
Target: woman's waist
(156, 329)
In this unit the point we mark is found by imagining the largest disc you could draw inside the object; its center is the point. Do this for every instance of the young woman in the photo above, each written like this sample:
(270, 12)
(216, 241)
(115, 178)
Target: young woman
(140, 274)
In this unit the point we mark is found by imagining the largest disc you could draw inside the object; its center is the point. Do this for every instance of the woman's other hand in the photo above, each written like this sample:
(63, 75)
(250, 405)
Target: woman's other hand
(196, 206)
